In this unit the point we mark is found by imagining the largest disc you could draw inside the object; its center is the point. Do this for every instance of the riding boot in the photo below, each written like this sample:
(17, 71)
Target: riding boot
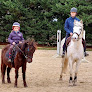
(84, 45)
(63, 54)
(64, 48)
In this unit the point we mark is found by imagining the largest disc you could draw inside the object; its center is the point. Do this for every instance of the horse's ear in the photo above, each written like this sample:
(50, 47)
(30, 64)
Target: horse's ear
(81, 22)
(35, 45)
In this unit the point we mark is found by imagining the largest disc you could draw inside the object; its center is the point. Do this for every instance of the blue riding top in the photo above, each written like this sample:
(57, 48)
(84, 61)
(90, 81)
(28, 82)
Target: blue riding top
(69, 24)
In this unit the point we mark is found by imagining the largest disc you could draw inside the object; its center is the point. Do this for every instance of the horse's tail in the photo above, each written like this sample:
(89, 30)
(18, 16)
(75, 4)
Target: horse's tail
(1, 61)
(2, 52)
(64, 65)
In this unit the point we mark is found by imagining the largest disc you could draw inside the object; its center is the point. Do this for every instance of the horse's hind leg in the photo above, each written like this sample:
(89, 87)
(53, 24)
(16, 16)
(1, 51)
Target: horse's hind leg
(8, 75)
(64, 67)
(3, 70)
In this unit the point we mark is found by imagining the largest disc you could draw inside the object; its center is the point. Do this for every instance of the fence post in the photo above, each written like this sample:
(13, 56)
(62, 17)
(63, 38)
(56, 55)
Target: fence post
(58, 41)
(84, 34)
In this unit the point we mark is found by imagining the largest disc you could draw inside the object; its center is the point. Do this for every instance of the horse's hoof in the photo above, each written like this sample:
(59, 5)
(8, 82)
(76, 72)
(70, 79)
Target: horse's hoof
(70, 83)
(25, 86)
(8, 81)
(3, 82)
(74, 84)
(15, 86)
(60, 79)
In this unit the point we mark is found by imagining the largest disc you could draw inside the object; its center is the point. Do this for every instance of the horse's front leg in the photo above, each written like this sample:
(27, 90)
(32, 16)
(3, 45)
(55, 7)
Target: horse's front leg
(71, 72)
(23, 75)
(76, 72)
(16, 77)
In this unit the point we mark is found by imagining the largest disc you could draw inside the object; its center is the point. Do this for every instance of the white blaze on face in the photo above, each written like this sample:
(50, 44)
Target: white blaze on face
(77, 29)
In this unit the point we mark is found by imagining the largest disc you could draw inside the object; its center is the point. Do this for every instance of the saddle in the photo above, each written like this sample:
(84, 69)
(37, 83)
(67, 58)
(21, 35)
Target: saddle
(68, 40)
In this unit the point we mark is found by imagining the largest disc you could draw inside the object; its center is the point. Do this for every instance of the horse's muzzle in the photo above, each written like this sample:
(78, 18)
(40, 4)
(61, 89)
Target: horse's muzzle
(29, 60)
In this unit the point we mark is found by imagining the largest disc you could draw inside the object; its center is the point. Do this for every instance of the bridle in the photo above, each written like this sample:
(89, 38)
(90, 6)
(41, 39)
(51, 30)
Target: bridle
(25, 55)
(78, 34)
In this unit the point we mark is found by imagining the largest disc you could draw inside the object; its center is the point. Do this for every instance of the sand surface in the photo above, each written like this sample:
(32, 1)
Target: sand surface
(42, 75)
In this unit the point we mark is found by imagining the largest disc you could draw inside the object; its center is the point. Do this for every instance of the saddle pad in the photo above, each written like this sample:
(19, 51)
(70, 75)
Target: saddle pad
(7, 54)
(13, 54)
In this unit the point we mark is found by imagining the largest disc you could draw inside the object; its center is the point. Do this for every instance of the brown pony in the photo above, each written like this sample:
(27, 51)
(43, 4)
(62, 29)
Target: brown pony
(23, 55)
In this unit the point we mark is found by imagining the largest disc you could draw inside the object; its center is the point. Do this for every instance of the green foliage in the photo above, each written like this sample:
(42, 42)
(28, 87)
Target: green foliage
(36, 17)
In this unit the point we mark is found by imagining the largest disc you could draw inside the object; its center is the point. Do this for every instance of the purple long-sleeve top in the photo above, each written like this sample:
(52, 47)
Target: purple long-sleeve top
(15, 37)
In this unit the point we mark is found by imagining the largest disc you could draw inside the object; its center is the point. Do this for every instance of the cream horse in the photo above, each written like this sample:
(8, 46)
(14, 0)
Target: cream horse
(74, 52)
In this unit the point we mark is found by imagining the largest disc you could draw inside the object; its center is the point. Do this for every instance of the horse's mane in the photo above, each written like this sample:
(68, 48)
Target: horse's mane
(31, 42)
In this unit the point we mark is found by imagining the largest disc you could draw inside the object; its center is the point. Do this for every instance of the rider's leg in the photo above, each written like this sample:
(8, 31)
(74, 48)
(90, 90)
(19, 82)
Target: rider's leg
(64, 46)
(84, 45)
(10, 52)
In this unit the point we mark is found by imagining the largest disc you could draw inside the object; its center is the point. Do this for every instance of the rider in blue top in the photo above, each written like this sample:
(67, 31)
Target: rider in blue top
(69, 24)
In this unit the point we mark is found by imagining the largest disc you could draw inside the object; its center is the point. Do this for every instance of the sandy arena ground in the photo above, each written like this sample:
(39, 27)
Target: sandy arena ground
(43, 75)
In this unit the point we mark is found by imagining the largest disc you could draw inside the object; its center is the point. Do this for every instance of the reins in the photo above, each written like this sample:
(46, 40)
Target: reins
(77, 33)
(16, 46)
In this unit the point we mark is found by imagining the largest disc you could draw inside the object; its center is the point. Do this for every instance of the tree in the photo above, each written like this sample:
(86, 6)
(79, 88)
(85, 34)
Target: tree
(36, 17)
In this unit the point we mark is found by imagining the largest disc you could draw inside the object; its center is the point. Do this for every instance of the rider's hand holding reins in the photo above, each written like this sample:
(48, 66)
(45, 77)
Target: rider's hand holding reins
(13, 43)
(71, 34)
(20, 42)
